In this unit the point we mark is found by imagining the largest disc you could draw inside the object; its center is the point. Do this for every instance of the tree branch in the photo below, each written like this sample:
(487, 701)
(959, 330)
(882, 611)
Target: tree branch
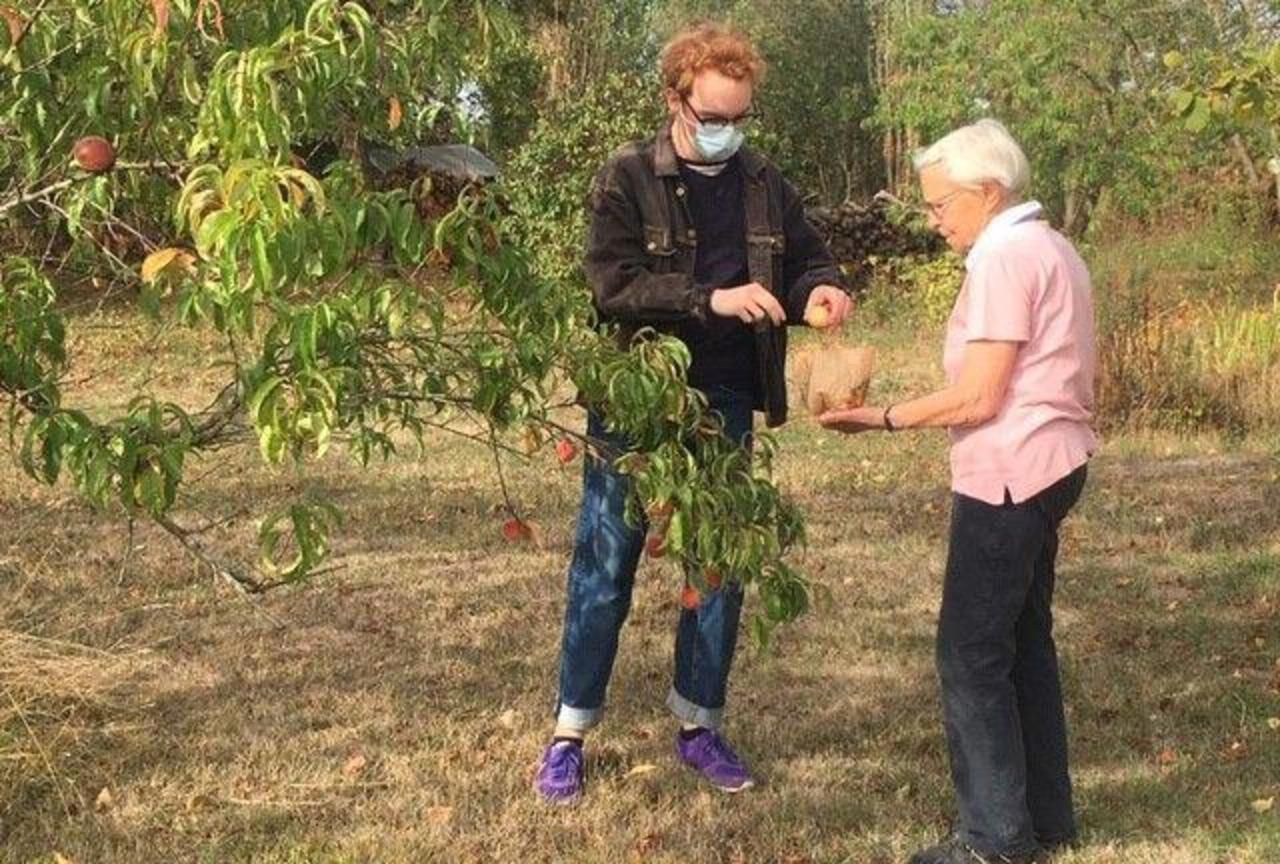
(27, 197)
(245, 585)
(30, 23)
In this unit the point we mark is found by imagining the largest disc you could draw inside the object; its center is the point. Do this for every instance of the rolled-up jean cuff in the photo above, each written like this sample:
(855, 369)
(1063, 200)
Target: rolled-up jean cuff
(707, 718)
(581, 719)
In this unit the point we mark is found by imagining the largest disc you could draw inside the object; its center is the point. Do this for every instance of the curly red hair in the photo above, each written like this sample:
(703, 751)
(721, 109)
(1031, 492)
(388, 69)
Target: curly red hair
(709, 45)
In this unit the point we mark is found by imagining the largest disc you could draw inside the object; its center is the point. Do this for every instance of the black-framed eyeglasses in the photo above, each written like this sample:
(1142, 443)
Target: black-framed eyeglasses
(716, 121)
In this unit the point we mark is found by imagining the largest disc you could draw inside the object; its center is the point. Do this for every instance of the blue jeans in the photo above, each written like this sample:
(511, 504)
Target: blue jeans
(1001, 692)
(601, 577)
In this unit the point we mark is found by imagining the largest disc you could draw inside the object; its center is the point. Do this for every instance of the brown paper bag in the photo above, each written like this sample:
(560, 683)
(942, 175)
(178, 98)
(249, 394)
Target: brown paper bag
(835, 376)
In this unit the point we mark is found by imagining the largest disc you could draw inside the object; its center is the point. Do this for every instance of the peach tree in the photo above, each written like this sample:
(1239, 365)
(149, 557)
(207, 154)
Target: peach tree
(350, 315)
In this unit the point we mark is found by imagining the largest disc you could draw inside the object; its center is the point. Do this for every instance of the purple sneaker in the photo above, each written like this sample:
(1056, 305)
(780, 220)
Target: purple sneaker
(560, 777)
(715, 760)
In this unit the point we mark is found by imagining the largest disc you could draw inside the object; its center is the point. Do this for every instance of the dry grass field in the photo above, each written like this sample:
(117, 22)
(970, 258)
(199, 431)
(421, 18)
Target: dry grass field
(393, 710)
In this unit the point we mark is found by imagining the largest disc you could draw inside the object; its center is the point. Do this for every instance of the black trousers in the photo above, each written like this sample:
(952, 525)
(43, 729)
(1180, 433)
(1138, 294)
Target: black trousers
(998, 665)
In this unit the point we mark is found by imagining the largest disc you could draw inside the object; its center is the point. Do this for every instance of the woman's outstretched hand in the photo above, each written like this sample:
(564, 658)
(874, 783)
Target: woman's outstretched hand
(853, 420)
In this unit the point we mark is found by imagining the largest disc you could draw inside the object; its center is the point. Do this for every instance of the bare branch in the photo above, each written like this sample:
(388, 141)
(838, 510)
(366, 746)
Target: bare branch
(28, 197)
(244, 584)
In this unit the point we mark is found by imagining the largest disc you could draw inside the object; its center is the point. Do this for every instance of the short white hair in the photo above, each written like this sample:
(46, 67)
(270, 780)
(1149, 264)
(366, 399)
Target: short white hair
(983, 152)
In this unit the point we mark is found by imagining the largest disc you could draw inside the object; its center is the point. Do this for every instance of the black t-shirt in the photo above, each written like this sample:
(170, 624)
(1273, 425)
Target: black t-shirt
(723, 349)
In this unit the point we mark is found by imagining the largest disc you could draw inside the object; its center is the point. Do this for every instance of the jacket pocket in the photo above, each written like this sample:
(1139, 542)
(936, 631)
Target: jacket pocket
(657, 241)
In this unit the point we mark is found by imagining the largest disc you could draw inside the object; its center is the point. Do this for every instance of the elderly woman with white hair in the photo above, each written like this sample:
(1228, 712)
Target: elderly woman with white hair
(1019, 359)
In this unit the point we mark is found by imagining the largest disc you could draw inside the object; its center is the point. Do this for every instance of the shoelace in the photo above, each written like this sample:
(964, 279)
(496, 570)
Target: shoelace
(720, 748)
(565, 761)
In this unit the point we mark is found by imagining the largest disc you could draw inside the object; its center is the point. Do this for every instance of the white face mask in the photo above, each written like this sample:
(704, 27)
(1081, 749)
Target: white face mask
(717, 143)
(714, 142)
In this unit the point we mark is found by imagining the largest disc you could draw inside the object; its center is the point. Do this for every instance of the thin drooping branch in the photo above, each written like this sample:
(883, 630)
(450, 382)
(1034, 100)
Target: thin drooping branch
(244, 584)
(36, 195)
(502, 479)
(22, 34)
(149, 126)
(121, 267)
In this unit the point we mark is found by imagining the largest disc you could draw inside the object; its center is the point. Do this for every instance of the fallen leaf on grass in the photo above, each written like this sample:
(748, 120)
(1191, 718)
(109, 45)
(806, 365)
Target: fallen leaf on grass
(507, 720)
(1167, 756)
(1235, 751)
(439, 816)
(104, 801)
(199, 801)
(355, 765)
(648, 843)
(1274, 723)
(1264, 805)
(640, 770)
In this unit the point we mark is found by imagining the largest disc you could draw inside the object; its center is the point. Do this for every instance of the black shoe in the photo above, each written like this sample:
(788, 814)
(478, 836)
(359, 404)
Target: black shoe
(1051, 847)
(955, 851)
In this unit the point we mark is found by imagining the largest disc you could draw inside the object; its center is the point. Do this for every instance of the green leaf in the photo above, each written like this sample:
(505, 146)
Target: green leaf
(676, 529)
(213, 232)
(1200, 115)
(761, 631)
(270, 445)
(260, 403)
(262, 270)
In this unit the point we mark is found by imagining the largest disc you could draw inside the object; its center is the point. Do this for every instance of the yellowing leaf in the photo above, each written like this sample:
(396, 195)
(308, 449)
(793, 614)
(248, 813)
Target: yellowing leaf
(161, 10)
(163, 260)
(395, 114)
(355, 765)
(217, 18)
(17, 24)
(641, 769)
(1264, 805)
(1273, 723)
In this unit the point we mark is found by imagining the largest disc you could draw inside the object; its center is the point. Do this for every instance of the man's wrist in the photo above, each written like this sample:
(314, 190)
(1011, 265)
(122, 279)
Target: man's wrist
(702, 309)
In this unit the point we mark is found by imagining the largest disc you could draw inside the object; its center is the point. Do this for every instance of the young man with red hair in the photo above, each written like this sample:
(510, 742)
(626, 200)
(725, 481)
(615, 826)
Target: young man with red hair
(699, 237)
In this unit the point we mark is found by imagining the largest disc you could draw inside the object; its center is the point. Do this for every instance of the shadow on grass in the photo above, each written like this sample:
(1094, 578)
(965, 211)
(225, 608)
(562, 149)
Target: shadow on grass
(409, 661)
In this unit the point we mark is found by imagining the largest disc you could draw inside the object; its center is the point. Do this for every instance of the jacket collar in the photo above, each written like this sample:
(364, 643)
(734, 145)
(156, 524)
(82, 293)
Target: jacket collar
(665, 163)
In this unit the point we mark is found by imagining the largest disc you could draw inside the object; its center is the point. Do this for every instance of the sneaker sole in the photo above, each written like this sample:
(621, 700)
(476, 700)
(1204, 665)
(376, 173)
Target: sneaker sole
(733, 790)
(559, 801)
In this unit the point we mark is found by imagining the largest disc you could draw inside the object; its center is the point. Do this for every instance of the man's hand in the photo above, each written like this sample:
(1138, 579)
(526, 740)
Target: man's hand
(751, 302)
(828, 307)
